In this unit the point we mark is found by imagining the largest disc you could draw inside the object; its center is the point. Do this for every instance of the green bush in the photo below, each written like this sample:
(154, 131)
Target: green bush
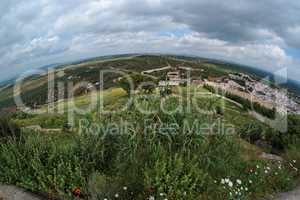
(175, 178)
(8, 129)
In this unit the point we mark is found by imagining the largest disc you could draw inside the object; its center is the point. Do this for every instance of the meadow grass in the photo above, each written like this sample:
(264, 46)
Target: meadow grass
(147, 161)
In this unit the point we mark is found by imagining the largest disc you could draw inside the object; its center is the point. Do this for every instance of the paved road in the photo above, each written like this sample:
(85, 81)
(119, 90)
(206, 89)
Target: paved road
(14, 193)
(292, 195)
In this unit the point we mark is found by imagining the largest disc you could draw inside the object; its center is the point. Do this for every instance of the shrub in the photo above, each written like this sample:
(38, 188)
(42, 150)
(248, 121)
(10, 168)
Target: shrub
(252, 132)
(8, 129)
(175, 178)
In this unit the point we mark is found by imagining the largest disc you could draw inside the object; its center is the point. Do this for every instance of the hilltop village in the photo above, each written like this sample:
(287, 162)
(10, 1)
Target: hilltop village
(240, 84)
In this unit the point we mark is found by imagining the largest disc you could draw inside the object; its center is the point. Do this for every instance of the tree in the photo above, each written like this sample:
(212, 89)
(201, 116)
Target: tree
(138, 81)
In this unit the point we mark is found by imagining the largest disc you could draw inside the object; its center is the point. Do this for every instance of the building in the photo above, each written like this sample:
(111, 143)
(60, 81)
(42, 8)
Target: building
(174, 76)
(168, 83)
(198, 82)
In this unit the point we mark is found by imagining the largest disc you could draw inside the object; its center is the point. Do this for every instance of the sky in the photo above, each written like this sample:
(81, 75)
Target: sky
(260, 33)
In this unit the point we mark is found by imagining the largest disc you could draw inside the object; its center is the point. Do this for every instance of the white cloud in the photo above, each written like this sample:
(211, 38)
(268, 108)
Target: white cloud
(249, 32)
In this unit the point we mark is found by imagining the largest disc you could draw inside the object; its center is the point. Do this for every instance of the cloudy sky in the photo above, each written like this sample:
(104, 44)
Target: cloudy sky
(260, 33)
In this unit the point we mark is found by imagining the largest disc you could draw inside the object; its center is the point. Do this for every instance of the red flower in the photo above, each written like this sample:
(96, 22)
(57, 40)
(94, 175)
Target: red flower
(77, 192)
(151, 190)
(250, 170)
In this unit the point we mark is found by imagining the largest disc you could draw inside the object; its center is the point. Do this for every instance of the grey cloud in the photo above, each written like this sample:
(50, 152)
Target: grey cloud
(237, 20)
(228, 29)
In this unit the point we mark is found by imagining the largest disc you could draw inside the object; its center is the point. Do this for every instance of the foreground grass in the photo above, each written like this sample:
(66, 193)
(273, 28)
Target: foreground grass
(150, 159)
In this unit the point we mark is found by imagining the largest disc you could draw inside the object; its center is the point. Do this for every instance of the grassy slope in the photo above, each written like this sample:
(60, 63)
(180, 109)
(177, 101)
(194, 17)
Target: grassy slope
(172, 164)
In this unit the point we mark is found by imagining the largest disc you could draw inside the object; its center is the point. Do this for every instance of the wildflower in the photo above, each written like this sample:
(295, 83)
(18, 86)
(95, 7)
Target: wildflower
(257, 166)
(151, 198)
(223, 181)
(227, 180)
(125, 188)
(266, 171)
(246, 189)
(230, 194)
(250, 182)
(151, 189)
(294, 161)
(276, 173)
(117, 195)
(239, 181)
(295, 169)
(77, 192)
(161, 194)
(230, 184)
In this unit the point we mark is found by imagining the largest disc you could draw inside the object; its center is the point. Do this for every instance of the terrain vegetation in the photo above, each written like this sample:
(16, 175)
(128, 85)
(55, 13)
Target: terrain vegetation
(186, 154)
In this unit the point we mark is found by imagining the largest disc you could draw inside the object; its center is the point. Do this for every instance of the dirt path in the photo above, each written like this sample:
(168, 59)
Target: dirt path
(14, 193)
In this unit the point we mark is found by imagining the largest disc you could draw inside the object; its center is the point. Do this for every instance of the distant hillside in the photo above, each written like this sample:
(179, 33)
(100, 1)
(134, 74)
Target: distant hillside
(35, 88)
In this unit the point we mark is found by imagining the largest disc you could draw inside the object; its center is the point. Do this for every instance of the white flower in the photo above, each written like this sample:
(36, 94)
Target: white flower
(295, 169)
(239, 181)
(266, 171)
(294, 161)
(276, 173)
(227, 180)
(105, 199)
(268, 168)
(230, 193)
(223, 181)
(246, 189)
(125, 188)
(250, 182)
(151, 198)
(257, 166)
(161, 194)
(230, 184)
(117, 195)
